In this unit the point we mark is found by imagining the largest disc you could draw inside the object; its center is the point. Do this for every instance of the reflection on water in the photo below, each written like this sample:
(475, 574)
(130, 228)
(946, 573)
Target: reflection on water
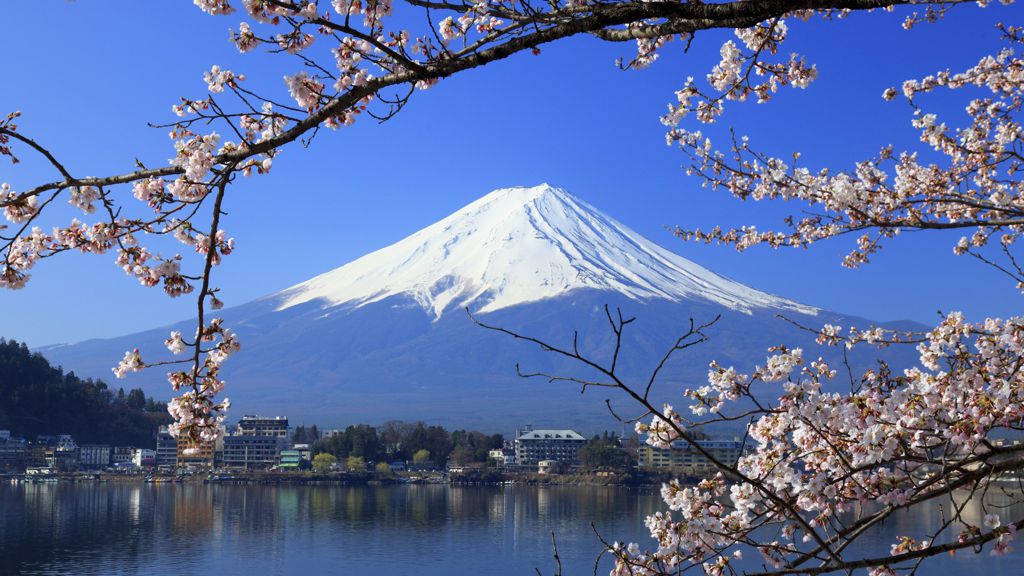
(199, 529)
(49, 529)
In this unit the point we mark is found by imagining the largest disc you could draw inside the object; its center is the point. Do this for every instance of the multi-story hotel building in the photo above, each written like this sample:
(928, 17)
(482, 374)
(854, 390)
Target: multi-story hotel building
(276, 426)
(166, 448)
(532, 446)
(684, 458)
(196, 455)
(251, 452)
(94, 456)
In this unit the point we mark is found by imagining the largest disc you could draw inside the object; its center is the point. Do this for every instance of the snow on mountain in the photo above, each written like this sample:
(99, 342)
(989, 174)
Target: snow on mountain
(520, 245)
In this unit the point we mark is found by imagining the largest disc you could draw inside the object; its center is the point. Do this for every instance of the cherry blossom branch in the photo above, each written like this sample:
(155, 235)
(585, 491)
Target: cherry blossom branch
(970, 469)
(666, 422)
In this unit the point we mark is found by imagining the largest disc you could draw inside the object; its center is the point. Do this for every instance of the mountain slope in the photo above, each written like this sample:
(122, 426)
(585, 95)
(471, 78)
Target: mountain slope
(384, 337)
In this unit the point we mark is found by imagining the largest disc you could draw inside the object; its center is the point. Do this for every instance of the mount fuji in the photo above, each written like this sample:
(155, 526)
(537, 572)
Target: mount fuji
(386, 336)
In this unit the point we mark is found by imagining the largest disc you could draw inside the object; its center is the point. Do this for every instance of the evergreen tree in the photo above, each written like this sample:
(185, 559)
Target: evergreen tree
(36, 398)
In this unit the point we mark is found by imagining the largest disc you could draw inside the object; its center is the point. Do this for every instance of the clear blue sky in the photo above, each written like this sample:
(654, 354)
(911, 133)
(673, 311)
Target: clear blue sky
(88, 76)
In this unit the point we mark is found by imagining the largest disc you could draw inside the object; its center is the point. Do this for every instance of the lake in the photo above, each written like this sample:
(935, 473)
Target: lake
(184, 529)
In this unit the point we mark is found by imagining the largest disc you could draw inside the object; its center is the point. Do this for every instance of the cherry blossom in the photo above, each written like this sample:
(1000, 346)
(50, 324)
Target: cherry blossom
(216, 79)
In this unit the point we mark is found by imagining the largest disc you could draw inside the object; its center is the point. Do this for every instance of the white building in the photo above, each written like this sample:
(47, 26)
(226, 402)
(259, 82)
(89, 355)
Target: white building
(550, 467)
(276, 426)
(144, 457)
(94, 455)
(121, 456)
(305, 451)
(532, 446)
(503, 456)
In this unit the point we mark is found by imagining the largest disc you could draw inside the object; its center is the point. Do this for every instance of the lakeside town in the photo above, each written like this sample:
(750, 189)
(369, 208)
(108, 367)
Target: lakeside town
(55, 425)
(268, 449)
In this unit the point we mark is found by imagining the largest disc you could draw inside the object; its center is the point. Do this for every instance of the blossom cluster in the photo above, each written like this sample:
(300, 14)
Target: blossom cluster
(820, 459)
(197, 411)
(741, 72)
(8, 124)
(476, 18)
(975, 187)
(216, 79)
(17, 208)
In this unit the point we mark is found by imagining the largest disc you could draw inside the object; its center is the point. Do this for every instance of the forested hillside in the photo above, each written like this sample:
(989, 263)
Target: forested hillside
(36, 398)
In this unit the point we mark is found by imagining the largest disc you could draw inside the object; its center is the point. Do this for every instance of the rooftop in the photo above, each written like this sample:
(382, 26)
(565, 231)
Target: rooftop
(252, 417)
(550, 435)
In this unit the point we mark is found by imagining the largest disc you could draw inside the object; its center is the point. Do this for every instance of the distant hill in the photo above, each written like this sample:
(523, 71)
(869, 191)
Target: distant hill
(36, 398)
(386, 337)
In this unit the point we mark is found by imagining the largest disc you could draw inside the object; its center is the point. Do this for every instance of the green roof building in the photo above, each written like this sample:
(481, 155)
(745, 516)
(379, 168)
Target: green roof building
(290, 460)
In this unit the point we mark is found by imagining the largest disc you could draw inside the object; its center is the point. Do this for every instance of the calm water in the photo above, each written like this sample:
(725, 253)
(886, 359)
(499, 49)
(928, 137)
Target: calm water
(163, 530)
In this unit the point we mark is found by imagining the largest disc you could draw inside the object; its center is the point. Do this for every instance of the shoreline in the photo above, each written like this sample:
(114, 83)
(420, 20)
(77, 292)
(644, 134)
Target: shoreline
(230, 477)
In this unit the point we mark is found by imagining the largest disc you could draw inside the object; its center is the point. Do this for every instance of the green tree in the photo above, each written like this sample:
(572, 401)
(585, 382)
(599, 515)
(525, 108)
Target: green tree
(476, 443)
(323, 461)
(435, 439)
(304, 435)
(137, 399)
(355, 464)
(461, 455)
(603, 453)
(422, 456)
(383, 468)
(37, 398)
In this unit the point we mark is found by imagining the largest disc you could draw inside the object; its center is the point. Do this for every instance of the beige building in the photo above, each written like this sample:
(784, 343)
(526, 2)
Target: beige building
(683, 458)
(204, 456)
(550, 467)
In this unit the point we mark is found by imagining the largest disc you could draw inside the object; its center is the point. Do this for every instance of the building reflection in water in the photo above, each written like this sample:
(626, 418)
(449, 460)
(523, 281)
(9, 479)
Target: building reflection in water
(193, 510)
(165, 530)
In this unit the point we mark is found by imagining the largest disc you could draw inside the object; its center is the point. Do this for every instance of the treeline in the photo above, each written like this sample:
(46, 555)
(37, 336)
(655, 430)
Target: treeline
(38, 399)
(407, 441)
(607, 451)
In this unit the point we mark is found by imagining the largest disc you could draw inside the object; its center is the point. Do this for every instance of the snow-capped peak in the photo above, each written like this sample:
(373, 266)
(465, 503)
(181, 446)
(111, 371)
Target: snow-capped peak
(519, 245)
